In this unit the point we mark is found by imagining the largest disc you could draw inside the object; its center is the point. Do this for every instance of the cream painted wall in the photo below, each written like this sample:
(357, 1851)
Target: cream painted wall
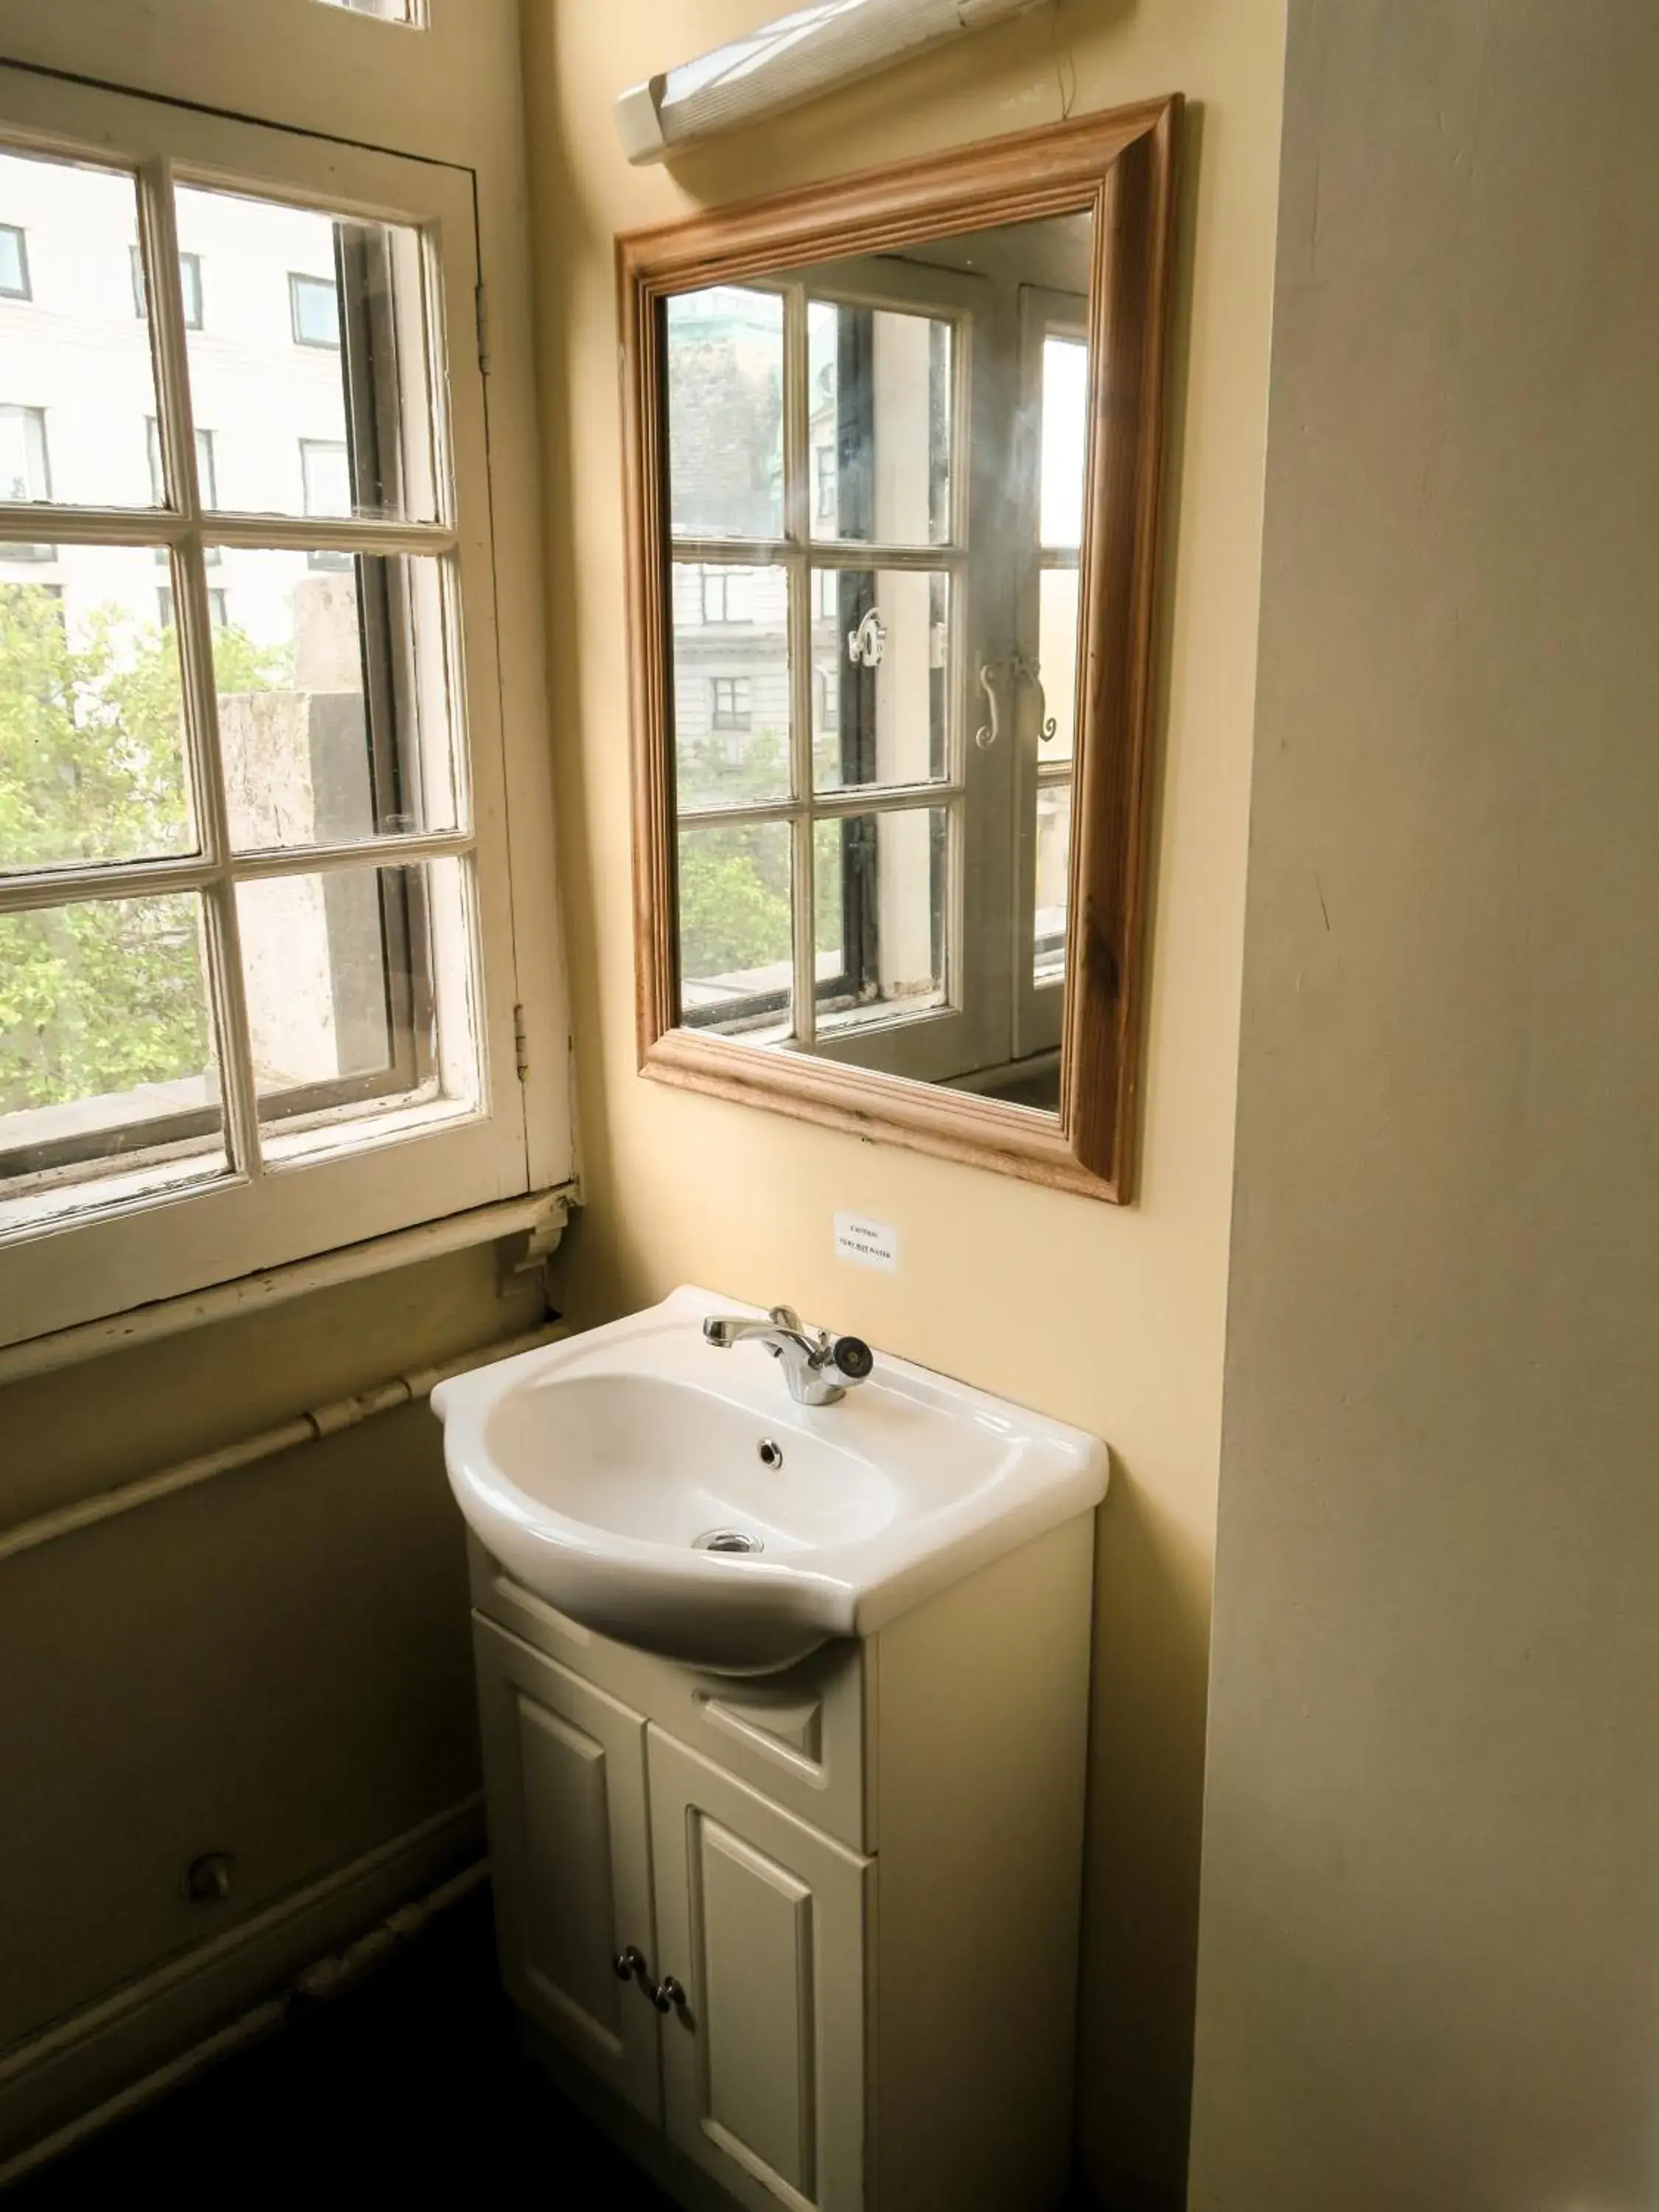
(1430, 1954)
(1110, 1318)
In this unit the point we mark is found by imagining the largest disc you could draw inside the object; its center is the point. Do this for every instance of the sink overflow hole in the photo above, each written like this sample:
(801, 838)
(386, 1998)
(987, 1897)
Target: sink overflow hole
(729, 1539)
(771, 1452)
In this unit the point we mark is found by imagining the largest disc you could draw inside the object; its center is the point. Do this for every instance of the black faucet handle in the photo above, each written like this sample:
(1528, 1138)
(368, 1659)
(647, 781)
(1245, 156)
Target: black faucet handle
(852, 1358)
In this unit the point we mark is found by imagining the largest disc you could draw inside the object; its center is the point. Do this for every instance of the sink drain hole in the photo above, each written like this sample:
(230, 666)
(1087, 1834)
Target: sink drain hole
(728, 1540)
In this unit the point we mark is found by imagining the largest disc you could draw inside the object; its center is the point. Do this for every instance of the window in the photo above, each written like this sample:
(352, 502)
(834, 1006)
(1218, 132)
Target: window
(729, 707)
(313, 307)
(13, 264)
(828, 697)
(325, 478)
(216, 607)
(728, 595)
(24, 469)
(258, 946)
(190, 284)
(855, 749)
(206, 480)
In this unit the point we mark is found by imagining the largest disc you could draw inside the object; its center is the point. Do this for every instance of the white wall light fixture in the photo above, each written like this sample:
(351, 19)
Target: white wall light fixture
(791, 59)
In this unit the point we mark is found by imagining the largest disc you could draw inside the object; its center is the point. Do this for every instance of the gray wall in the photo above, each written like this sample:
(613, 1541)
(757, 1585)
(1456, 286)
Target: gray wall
(1430, 1931)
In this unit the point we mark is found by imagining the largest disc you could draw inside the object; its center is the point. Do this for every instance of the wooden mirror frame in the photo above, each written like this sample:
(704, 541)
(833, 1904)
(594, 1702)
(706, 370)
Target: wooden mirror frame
(1119, 168)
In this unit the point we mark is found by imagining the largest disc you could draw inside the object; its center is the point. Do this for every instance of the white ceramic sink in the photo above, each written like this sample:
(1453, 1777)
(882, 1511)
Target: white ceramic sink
(597, 1470)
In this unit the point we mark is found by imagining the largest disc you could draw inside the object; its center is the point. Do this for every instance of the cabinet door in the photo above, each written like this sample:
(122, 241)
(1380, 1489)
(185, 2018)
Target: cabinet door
(763, 1922)
(564, 1776)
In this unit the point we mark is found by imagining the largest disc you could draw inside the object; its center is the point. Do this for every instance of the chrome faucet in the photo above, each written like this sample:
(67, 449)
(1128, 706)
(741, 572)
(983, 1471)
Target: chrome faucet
(818, 1368)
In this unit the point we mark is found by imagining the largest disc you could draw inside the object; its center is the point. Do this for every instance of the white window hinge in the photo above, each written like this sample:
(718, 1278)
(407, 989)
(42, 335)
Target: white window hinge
(480, 300)
(521, 1042)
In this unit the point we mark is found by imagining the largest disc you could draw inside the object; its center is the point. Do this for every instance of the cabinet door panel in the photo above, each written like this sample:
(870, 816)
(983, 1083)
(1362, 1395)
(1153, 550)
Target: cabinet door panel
(762, 1920)
(564, 1769)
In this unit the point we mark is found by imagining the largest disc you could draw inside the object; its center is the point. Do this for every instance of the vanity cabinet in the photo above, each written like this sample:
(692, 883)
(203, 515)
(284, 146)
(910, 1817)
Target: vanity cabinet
(852, 1888)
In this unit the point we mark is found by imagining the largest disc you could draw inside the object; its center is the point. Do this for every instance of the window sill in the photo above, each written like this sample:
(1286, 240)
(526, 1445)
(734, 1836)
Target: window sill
(539, 1219)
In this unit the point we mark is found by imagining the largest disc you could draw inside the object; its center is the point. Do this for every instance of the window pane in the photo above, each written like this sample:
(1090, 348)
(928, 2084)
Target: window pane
(880, 428)
(725, 413)
(1057, 660)
(1054, 860)
(1064, 440)
(336, 699)
(91, 718)
(358, 994)
(879, 908)
(881, 657)
(310, 348)
(736, 931)
(76, 383)
(731, 684)
(314, 303)
(106, 1047)
(14, 263)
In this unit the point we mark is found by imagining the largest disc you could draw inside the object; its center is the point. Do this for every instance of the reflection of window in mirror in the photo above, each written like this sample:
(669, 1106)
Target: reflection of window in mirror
(937, 903)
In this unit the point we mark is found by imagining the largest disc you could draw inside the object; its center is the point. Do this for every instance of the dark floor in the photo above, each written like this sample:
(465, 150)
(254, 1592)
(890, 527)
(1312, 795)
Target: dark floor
(408, 2089)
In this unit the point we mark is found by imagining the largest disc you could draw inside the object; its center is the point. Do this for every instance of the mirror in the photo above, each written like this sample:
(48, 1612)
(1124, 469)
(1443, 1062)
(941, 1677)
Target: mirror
(892, 508)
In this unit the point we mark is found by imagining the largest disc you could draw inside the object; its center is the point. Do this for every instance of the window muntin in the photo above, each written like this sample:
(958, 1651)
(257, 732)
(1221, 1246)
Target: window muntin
(14, 263)
(314, 311)
(141, 944)
(855, 661)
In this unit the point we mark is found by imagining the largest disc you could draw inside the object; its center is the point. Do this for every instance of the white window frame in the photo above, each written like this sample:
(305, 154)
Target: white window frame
(157, 1245)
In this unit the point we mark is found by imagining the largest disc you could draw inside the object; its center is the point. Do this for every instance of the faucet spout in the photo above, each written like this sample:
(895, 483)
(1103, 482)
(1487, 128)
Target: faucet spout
(819, 1368)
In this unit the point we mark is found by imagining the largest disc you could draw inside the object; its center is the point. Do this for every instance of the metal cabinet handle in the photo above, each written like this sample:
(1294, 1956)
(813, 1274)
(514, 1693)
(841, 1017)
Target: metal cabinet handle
(668, 1995)
(629, 1966)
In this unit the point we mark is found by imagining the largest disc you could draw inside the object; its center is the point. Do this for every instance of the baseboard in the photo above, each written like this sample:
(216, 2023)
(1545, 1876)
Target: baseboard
(136, 2040)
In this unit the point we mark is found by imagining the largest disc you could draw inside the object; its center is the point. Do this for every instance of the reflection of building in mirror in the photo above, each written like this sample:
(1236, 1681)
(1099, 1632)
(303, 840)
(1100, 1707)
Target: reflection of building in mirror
(875, 475)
